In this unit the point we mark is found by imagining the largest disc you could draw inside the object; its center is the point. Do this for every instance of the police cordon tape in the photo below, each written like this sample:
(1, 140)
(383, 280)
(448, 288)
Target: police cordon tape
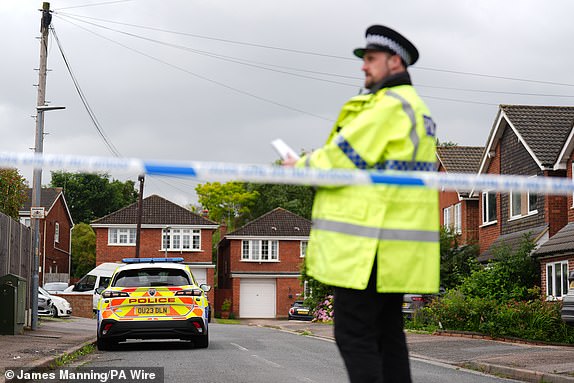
(223, 172)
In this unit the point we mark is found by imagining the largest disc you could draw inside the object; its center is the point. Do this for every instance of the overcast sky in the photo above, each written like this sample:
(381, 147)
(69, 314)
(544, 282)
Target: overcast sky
(212, 80)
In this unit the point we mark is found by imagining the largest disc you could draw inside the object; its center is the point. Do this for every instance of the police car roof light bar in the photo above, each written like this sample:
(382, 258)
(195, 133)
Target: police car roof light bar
(153, 260)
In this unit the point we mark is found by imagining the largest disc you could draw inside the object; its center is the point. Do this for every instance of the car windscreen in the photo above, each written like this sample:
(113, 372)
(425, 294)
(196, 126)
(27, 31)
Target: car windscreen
(151, 277)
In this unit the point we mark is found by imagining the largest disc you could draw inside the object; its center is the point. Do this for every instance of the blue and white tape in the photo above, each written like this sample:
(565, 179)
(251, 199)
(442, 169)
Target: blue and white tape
(223, 172)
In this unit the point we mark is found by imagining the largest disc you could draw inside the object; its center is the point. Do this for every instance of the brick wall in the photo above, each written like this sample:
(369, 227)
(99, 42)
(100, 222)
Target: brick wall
(488, 234)
(289, 259)
(288, 291)
(556, 207)
(150, 246)
(55, 255)
(82, 304)
(470, 222)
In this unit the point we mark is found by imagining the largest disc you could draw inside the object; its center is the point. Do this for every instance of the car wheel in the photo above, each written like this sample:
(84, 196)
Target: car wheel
(201, 341)
(104, 344)
(53, 311)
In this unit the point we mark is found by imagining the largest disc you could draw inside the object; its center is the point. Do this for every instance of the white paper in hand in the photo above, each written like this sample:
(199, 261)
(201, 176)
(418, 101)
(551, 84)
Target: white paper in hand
(283, 149)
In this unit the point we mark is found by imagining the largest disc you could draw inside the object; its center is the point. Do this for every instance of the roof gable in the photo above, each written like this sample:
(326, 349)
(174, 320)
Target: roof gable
(156, 211)
(48, 197)
(276, 223)
(460, 159)
(543, 130)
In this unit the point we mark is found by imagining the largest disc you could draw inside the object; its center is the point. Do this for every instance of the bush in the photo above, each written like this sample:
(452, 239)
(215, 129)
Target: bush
(534, 320)
(324, 311)
(510, 276)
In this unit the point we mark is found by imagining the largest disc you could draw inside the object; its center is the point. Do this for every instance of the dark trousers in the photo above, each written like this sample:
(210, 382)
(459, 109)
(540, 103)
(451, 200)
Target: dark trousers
(369, 334)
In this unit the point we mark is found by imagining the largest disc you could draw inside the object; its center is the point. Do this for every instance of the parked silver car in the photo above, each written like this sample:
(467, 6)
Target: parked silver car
(57, 306)
(45, 305)
(55, 287)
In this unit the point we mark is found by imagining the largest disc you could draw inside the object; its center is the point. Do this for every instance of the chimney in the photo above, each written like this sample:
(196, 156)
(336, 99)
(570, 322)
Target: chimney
(222, 230)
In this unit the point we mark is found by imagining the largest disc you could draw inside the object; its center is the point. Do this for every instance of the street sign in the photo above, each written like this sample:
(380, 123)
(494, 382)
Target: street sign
(37, 213)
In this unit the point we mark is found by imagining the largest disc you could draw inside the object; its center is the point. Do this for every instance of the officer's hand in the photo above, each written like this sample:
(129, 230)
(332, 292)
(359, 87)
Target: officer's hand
(289, 161)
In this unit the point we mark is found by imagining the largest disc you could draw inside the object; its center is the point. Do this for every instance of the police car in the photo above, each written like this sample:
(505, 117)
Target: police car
(153, 298)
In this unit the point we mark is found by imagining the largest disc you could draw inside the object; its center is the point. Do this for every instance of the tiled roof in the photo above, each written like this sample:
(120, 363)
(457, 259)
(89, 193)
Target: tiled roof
(460, 159)
(156, 211)
(561, 242)
(544, 128)
(276, 223)
(47, 198)
(513, 241)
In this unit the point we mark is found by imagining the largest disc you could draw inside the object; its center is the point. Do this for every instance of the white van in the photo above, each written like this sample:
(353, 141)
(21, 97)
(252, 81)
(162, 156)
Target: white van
(100, 276)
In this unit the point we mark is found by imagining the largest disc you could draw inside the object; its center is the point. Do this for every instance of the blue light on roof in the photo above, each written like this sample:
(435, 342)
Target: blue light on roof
(152, 260)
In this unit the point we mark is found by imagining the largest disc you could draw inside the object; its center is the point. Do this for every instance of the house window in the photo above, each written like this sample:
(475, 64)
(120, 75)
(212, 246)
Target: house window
(458, 218)
(121, 236)
(25, 221)
(557, 279)
(522, 204)
(488, 207)
(260, 251)
(447, 217)
(181, 239)
(303, 249)
(57, 232)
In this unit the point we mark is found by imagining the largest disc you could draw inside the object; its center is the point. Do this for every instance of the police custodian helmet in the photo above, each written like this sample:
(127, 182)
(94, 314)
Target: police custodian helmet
(381, 38)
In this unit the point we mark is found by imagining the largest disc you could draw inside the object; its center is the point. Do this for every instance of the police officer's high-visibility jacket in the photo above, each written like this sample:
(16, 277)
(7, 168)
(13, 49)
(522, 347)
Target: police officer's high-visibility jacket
(398, 226)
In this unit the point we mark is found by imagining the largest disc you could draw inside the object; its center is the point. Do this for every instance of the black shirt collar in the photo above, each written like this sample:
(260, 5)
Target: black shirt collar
(397, 79)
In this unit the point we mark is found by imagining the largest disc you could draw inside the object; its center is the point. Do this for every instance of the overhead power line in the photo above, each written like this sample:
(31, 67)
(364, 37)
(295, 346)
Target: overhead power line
(97, 4)
(91, 113)
(204, 78)
(250, 44)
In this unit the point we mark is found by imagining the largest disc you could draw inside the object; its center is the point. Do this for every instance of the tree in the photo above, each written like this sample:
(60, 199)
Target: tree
(511, 275)
(83, 249)
(90, 196)
(12, 192)
(230, 201)
(295, 198)
(456, 262)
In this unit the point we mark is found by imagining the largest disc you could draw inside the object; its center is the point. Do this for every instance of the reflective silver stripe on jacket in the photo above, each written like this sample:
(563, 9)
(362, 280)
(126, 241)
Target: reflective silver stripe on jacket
(375, 232)
(408, 109)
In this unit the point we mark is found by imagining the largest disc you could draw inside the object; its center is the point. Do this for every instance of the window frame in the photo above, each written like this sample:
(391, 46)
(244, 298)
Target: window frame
(119, 232)
(186, 239)
(446, 217)
(551, 282)
(486, 219)
(303, 248)
(457, 221)
(56, 232)
(252, 250)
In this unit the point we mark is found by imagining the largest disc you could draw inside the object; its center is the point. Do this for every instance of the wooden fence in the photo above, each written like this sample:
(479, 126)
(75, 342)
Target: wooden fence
(16, 251)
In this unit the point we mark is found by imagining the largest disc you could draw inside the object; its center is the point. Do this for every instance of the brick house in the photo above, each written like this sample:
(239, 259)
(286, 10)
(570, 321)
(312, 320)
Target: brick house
(55, 234)
(557, 254)
(259, 264)
(459, 208)
(167, 229)
(526, 141)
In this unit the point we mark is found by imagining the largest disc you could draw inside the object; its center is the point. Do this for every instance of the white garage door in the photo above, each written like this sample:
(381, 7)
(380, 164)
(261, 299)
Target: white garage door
(200, 275)
(257, 298)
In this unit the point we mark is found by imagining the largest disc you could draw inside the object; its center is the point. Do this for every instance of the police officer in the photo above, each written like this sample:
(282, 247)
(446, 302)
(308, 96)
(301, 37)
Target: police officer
(375, 243)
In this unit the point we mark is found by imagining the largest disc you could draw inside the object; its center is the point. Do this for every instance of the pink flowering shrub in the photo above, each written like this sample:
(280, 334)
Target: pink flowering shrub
(324, 311)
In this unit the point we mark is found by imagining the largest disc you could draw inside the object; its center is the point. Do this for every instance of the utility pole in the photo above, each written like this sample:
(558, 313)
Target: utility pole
(39, 148)
(141, 179)
(41, 107)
